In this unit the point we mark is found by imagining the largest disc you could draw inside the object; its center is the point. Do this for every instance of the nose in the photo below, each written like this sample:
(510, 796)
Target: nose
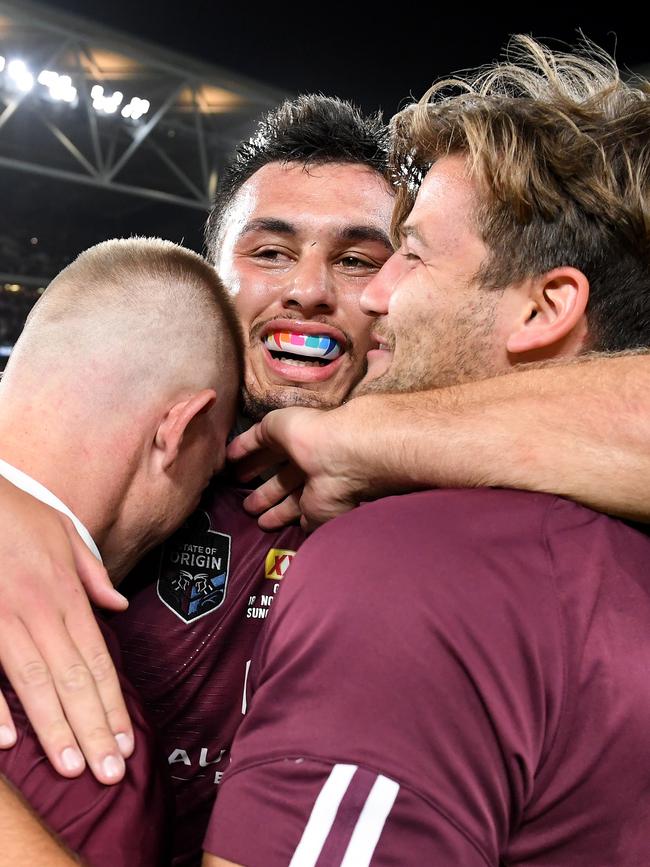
(310, 289)
(376, 296)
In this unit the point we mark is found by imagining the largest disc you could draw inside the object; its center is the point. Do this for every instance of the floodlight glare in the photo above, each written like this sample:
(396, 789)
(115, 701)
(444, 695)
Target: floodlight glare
(97, 92)
(2, 63)
(20, 75)
(62, 90)
(47, 77)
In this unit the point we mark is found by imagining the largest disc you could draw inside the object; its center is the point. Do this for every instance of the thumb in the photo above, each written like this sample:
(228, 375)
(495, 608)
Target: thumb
(93, 575)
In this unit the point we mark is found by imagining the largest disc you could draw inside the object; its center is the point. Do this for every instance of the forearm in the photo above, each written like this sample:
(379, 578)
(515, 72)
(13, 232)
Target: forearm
(25, 840)
(581, 430)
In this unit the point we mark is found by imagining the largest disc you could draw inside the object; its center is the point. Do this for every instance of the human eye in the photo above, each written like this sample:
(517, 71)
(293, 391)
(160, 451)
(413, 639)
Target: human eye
(271, 255)
(351, 260)
(407, 253)
(359, 263)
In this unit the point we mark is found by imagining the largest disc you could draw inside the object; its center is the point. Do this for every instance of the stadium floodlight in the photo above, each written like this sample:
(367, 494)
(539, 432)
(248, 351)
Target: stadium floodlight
(47, 77)
(136, 108)
(60, 86)
(63, 90)
(102, 102)
(20, 75)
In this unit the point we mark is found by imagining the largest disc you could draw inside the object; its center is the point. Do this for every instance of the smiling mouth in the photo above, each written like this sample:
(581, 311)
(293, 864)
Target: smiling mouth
(303, 350)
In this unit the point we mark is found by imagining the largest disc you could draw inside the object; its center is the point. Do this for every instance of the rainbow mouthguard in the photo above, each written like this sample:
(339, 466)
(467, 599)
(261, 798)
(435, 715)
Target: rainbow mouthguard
(309, 345)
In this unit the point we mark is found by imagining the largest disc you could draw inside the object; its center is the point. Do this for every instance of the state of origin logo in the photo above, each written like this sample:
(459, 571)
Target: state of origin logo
(194, 567)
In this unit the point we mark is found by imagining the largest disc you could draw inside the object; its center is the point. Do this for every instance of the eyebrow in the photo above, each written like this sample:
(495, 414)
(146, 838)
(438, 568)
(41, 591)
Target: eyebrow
(269, 224)
(409, 231)
(350, 234)
(345, 235)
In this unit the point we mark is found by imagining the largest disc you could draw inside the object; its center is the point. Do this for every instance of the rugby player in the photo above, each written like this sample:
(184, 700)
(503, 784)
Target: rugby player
(460, 676)
(300, 227)
(99, 422)
(297, 270)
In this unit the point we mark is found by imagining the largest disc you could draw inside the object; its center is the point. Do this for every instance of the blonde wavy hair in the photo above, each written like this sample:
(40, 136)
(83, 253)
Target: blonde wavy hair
(559, 147)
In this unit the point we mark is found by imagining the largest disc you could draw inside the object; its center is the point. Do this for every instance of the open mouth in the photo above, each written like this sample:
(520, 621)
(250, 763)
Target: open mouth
(303, 350)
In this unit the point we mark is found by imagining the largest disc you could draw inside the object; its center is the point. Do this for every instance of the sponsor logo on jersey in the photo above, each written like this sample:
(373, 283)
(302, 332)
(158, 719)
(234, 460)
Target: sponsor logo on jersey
(277, 562)
(194, 567)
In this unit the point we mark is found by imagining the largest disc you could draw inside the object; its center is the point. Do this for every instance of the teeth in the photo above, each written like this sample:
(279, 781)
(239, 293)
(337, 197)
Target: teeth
(300, 362)
(306, 345)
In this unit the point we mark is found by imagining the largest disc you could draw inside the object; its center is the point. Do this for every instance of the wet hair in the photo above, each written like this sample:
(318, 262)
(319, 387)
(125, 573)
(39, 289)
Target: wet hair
(310, 130)
(559, 148)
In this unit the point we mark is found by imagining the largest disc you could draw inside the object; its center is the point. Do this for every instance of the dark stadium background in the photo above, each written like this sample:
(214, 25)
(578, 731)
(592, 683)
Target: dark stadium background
(349, 50)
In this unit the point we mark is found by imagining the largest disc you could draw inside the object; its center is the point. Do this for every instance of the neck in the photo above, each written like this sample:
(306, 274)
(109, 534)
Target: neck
(79, 468)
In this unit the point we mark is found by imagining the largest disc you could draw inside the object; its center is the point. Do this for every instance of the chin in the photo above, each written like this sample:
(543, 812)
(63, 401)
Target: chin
(257, 405)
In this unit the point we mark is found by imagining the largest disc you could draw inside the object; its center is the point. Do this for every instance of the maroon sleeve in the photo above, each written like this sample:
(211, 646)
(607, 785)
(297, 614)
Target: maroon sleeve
(408, 687)
(125, 825)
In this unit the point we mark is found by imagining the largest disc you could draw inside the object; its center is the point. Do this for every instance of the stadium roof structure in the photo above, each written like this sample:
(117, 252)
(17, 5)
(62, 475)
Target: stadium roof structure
(103, 135)
(86, 104)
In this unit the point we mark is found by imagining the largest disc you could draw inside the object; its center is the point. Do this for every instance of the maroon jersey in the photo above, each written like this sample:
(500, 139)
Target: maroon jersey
(451, 678)
(125, 825)
(187, 641)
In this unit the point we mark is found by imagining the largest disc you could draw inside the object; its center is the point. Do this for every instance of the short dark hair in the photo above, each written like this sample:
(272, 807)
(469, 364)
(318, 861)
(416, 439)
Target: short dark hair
(310, 130)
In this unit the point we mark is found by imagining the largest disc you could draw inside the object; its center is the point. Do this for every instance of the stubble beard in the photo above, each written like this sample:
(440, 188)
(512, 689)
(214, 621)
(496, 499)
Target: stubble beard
(256, 406)
(439, 353)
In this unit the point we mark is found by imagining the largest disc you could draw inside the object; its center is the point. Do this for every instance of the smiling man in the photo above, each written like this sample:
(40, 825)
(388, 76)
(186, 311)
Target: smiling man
(299, 229)
(303, 217)
(296, 245)
(300, 226)
(460, 677)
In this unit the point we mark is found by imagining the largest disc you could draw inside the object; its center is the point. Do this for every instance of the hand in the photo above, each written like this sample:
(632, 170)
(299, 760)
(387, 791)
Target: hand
(318, 481)
(51, 647)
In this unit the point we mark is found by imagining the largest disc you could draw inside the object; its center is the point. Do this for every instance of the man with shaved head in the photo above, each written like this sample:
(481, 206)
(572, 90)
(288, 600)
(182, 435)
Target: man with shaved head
(300, 227)
(109, 415)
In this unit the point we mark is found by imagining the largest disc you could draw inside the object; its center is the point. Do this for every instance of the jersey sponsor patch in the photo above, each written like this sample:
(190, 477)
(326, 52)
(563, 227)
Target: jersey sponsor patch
(194, 568)
(277, 562)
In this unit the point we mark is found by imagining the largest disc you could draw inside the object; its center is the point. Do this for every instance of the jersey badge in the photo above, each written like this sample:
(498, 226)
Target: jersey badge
(194, 568)
(277, 562)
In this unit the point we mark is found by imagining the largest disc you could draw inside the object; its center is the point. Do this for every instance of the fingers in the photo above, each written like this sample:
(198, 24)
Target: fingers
(274, 490)
(284, 513)
(7, 728)
(246, 443)
(61, 698)
(93, 575)
(90, 643)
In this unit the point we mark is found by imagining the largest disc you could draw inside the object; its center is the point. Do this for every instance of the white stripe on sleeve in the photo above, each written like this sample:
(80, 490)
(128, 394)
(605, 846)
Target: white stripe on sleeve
(322, 816)
(370, 823)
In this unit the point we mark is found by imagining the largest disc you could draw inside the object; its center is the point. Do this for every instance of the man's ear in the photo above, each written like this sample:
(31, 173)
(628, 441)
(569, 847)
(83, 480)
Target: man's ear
(556, 305)
(174, 425)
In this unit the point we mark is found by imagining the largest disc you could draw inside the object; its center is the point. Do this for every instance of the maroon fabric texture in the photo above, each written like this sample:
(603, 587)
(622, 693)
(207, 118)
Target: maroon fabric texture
(126, 825)
(190, 673)
(489, 651)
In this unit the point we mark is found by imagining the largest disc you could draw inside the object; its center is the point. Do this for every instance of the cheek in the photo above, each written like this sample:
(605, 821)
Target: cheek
(256, 293)
(412, 299)
(357, 323)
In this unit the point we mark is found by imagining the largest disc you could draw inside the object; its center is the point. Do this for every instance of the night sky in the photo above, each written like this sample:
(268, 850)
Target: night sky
(349, 50)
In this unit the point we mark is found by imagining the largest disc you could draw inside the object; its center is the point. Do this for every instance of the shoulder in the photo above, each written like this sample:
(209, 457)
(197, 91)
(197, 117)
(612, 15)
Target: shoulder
(445, 574)
(433, 541)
